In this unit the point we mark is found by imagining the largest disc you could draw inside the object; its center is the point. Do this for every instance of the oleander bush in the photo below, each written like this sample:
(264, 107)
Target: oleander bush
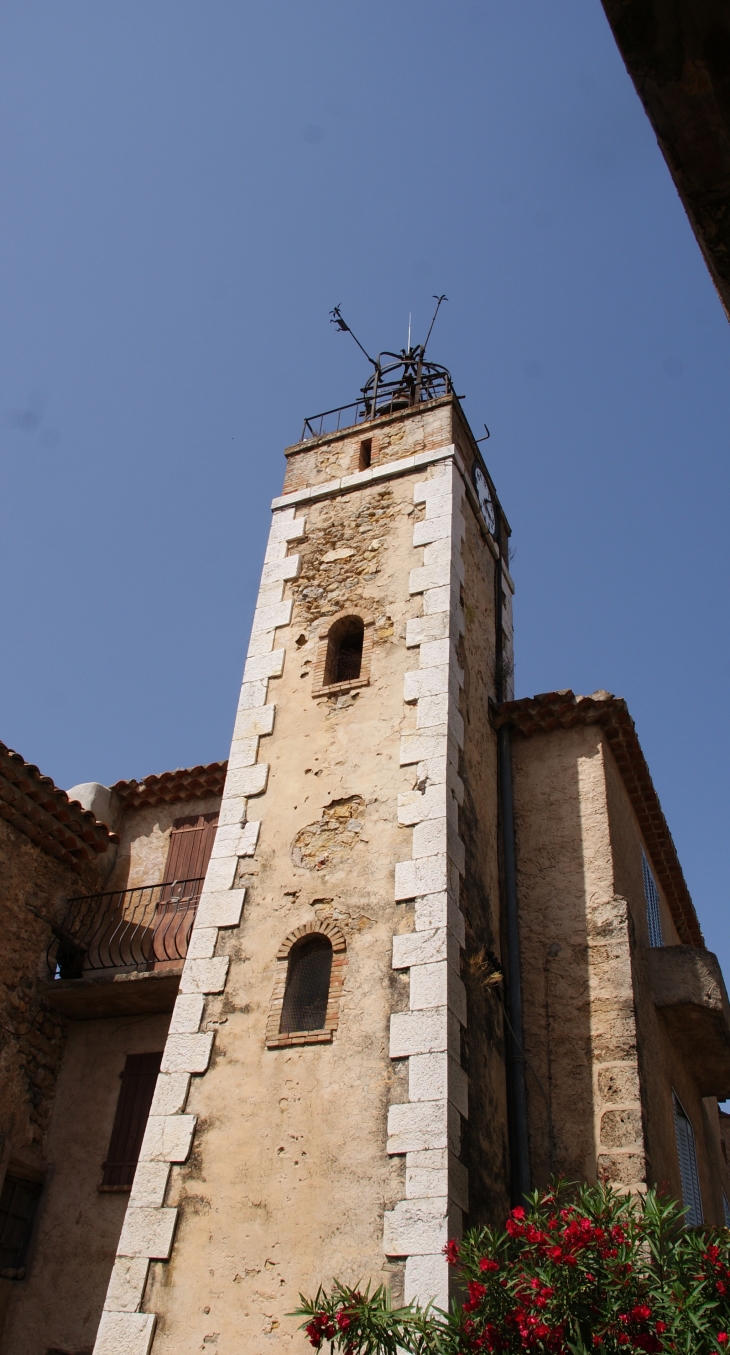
(577, 1270)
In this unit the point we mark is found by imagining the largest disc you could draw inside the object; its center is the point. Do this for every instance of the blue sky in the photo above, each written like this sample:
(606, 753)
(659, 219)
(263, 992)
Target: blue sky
(187, 190)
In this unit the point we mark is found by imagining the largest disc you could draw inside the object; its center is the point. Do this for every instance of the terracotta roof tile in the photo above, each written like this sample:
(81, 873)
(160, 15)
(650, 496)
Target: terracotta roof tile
(44, 813)
(563, 710)
(186, 783)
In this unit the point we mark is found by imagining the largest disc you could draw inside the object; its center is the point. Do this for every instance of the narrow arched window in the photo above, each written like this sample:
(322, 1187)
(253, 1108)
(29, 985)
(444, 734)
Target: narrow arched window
(344, 650)
(307, 985)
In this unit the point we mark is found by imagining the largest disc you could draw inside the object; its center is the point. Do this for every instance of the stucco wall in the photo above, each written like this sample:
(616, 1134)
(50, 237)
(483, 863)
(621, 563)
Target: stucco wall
(289, 1177)
(77, 1228)
(144, 838)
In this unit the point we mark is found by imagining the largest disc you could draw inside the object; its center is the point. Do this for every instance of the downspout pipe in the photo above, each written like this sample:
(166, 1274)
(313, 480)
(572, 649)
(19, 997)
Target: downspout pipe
(518, 1094)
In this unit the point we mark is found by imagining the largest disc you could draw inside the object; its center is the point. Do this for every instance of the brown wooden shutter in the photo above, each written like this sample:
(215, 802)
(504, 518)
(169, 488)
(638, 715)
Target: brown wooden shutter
(191, 843)
(133, 1107)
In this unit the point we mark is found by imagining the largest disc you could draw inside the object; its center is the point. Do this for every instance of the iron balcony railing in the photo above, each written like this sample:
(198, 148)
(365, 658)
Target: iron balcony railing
(384, 397)
(132, 929)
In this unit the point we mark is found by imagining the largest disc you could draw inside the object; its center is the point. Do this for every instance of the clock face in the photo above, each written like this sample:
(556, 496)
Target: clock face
(485, 499)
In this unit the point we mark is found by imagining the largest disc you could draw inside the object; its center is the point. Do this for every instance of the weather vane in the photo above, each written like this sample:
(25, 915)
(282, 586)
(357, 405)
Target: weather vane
(406, 380)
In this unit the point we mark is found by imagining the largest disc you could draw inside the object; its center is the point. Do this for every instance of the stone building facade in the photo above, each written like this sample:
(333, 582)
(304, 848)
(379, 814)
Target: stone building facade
(322, 1009)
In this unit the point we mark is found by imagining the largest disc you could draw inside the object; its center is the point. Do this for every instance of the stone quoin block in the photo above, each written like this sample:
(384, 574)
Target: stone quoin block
(167, 1138)
(187, 1013)
(150, 1184)
(220, 872)
(448, 527)
(147, 1232)
(171, 1093)
(420, 1032)
(420, 629)
(202, 943)
(437, 653)
(243, 753)
(248, 839)
(438, 985)
(125, 1334)
(254, 693)
(416, 1227)
(425, 947)
(250, 723)
(427, 1280)
(270, 618)
(434, 1077)
(429, 875)
(269, 595)
(279, 570)
(205, 976)
(430, 576)
(415, 1126)
(220, 908)
(426, 682)
(227, 838)
(440, 910)
(264, 666)
(437, 600)
(415, 805)
(422, 747)
(187, 1053)
(126, 1286)
(284, 526)
(247, 781)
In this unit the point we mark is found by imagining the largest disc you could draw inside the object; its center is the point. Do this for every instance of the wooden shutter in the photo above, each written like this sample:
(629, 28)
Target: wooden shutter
(191, 843)
(133, 1107)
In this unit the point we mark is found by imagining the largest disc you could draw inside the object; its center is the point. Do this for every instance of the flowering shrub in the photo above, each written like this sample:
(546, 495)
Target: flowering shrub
(590, 1271)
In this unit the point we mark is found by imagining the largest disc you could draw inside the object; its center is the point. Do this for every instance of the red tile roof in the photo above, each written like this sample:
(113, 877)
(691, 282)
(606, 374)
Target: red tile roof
(186, 783)
(44, 813)
(563, 710)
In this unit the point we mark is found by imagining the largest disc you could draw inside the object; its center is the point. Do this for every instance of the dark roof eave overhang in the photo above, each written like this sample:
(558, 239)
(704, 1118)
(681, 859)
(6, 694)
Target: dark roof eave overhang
(554, 711)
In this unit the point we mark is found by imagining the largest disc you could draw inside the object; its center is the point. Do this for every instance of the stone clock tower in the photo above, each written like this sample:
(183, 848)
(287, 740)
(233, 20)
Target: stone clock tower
(332, 1097)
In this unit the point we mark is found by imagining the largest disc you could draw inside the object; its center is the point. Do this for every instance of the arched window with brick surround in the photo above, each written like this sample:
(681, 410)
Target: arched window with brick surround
(343, 657)
(305, 1004)
(307, 985)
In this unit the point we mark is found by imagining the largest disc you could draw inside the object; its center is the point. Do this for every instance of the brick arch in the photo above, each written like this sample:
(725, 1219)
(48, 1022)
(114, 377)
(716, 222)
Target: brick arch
(335, 625)
(328, 929)
(275, 1040)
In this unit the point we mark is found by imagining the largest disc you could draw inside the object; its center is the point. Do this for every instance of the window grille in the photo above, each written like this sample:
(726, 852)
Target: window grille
(687, 1164)
(18, 1204)
(651, 894)
(307, 985)
(726, 1209)
(133, 1107)
(347, 658)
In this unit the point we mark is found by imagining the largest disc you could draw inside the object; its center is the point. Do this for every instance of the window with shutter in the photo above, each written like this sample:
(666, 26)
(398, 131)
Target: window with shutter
(653, 915)
(191, 843)
(18, 1204)
(133, 1108)
(687, 1164)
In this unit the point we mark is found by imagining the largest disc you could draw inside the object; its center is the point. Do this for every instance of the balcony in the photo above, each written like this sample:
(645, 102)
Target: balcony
(123, 951)
(688, 991)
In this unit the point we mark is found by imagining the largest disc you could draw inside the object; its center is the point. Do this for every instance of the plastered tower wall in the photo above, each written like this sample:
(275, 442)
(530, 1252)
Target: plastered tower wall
(345, 1155)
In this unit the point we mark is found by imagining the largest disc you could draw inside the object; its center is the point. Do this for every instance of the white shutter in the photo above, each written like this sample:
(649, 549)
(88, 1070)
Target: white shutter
(651, 894)
(687, 1164)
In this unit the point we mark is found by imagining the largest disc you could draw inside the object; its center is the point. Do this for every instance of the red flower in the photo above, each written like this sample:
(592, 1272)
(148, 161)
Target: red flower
(487, 1264)
(722, 1338)
(661, 1326)
(641, 1313)
(476, 1294)
(343, 1320)
(451, 1252)
(518, 1212)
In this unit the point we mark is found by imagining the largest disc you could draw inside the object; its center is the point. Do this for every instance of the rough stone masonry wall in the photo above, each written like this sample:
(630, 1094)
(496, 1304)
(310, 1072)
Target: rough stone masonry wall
(288, 1177)
(579, 1019)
